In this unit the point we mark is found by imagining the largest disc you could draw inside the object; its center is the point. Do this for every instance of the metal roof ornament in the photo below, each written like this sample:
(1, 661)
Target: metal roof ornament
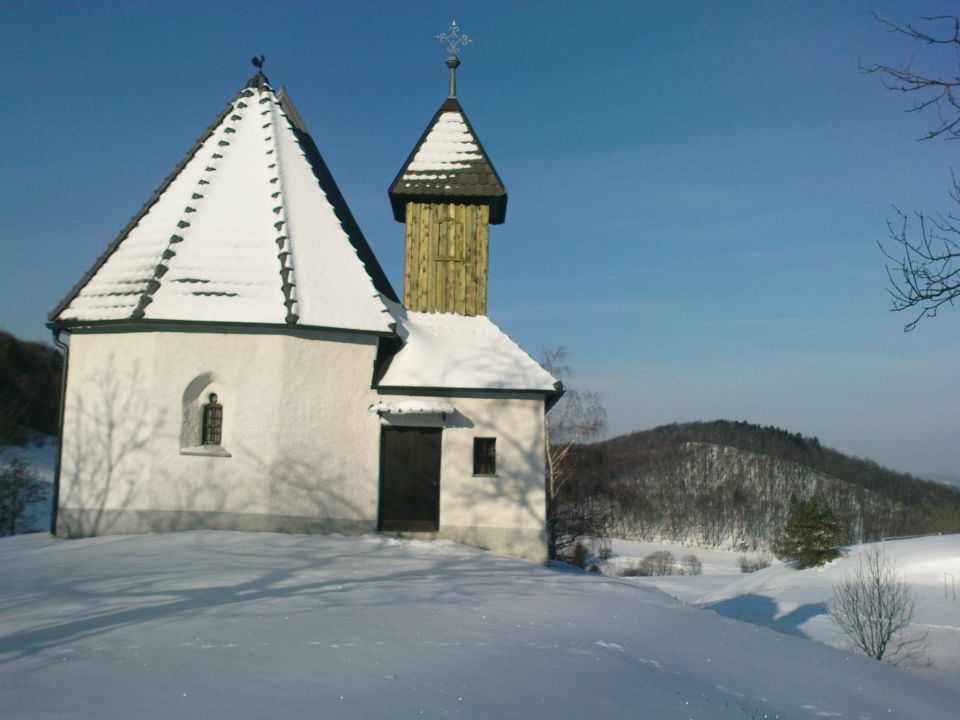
(454, 41)
(259, 80)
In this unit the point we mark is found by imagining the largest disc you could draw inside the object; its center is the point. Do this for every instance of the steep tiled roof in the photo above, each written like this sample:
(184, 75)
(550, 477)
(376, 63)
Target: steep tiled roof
(449, 165)
(249, 228)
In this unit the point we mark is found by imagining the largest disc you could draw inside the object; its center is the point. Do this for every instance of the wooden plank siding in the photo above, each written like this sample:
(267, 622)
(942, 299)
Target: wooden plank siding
(446, 264)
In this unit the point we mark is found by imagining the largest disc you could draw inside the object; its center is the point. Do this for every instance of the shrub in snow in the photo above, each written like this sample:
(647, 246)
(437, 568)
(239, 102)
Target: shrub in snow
(812, 536)
(579, 556)
(874, 607)
(604, 549)
(634, 571)
(19, 487)
(658, 563)
(691, 565)
(749, 564)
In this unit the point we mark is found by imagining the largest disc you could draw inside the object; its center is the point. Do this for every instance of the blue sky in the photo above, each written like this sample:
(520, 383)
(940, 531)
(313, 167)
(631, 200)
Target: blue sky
(696, 189)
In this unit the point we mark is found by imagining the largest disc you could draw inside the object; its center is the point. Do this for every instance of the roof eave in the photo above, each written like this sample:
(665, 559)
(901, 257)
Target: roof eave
(497, 203)
(134, 325)
(432, 390)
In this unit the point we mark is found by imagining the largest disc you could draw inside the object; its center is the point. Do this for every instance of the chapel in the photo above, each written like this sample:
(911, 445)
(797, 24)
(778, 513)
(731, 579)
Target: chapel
(238, 359)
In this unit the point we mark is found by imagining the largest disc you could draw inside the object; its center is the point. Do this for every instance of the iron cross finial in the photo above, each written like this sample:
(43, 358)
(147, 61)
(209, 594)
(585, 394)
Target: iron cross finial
(454, 39)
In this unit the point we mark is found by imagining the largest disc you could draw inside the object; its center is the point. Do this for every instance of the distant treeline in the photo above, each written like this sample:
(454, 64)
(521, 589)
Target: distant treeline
(726, 482)
(29, 388)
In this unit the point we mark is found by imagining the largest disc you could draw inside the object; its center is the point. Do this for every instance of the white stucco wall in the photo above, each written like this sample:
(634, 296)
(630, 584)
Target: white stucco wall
(303, 446)
(505, 512)
(301, 442)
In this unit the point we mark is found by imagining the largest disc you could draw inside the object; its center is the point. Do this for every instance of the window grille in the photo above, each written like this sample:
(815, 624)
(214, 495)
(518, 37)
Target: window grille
(484, 456)
(212, 421)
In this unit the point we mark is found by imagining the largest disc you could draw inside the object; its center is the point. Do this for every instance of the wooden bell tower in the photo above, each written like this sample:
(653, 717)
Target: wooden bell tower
(448, 194)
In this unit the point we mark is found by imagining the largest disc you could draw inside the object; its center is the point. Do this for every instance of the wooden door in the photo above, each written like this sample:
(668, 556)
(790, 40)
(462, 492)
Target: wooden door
(410, 479)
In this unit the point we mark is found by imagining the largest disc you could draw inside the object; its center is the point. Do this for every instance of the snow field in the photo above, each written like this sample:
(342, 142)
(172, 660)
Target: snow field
(797, 602)
(247, 625)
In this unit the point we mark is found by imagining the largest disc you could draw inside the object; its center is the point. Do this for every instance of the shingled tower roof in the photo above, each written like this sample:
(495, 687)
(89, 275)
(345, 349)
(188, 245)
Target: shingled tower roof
(449, 164)
(250, 227)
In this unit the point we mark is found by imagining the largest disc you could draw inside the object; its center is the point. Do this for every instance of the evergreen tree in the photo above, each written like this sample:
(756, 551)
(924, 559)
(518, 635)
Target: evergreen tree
(812, 536)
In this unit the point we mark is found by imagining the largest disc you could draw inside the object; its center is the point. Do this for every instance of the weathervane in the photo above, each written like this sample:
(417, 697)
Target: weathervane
(455, 41)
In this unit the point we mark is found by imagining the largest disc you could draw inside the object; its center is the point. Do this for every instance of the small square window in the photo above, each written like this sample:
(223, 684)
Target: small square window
(484, 456)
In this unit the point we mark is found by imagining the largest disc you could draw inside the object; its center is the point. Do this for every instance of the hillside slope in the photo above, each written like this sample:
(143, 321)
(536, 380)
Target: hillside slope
(731, 483)
(29, 388)
(796, 601)
(233, 625)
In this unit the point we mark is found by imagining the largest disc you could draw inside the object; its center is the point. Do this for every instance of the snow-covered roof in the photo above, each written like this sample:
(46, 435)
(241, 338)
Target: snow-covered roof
(249, 228)
(449, 163)
(448, 351)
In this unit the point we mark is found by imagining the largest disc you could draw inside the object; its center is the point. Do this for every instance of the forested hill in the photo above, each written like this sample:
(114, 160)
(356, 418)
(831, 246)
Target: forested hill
(29, 388)
(732, 482)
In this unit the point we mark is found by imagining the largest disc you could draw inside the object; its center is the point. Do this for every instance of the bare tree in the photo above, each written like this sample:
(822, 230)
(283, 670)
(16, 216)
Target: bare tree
(924, 272)
(577, 418)
(691, 565)
(659, 563)
(874, 608)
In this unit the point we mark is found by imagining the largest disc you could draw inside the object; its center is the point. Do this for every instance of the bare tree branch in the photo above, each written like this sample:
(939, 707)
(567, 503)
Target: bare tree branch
(941, 93)
(924, 272)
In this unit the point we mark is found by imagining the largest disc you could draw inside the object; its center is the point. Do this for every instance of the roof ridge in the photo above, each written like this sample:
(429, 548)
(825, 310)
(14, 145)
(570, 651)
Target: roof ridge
(288, 285)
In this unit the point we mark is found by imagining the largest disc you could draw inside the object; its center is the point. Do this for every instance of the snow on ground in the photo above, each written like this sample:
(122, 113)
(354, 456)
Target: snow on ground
(718, 567)
(797, 601)
(40, 455)
(245, 625)
(715, 561)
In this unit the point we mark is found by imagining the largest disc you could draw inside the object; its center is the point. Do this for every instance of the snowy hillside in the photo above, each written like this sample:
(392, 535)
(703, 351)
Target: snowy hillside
(234, 625)
(796, 602)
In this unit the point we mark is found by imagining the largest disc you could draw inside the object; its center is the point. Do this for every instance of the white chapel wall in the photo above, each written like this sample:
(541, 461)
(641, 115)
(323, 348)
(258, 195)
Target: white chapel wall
(300, 448)
(505, 512)
(303, 449)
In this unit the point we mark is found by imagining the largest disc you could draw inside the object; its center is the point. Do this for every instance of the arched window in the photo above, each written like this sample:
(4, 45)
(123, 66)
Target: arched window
(212, 422)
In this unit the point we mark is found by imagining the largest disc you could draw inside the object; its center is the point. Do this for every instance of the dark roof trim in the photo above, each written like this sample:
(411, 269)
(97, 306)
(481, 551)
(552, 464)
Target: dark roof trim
(134, 325)
(497, 201)
(462, 391)
(322, 173)
(149, 204)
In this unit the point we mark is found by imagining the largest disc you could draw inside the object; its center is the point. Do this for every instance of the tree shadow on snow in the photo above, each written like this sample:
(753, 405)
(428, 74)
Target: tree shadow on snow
(761, 610)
